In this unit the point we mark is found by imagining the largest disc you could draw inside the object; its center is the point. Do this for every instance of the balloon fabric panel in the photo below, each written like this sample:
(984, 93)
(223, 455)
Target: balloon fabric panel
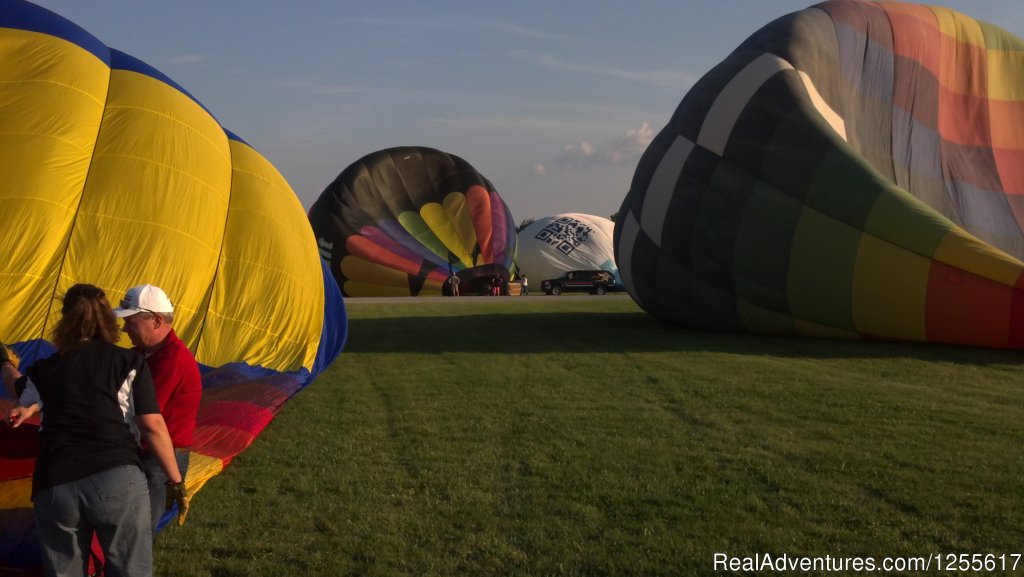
(456, 207)
(422, 229)
(397, 242)
(51, 106)
(446, 239)
(501, 226)
(363, 248)
(261, 325)
(480, 210)
(853, 147)
(121, 207)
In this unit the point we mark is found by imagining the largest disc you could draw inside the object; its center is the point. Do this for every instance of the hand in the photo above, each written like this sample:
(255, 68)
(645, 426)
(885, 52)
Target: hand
(177, 493)
(20, 414)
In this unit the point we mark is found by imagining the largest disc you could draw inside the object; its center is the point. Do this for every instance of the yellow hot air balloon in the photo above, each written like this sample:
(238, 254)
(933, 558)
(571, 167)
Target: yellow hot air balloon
(116, 176)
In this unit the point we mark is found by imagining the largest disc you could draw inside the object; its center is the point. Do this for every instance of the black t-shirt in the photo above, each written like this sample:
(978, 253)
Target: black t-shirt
(86, 394)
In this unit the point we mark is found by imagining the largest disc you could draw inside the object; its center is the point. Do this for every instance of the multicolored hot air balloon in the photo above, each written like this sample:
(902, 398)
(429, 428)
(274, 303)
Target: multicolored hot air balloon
(550, 246)
(114, 175)
(399, 222)
(854, 169)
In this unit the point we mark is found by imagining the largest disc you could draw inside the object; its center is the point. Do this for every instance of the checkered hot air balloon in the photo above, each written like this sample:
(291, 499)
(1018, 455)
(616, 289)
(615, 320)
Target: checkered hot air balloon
(854, 169)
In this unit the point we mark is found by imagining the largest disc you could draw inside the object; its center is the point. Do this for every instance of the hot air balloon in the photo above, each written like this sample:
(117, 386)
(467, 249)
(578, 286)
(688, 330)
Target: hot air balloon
(851, 170)
(549, 246)
(114, 175)
(401, 221)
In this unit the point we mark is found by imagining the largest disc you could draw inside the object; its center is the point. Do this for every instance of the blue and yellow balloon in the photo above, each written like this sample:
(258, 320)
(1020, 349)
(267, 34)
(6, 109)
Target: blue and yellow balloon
(115, 175)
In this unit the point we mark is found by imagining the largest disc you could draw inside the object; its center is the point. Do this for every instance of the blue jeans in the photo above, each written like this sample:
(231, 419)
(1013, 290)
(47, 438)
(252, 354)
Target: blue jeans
(113, 504)
(157, 480)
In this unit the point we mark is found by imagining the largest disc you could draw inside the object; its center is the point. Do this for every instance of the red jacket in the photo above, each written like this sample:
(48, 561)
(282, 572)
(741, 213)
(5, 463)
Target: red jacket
(178, 388)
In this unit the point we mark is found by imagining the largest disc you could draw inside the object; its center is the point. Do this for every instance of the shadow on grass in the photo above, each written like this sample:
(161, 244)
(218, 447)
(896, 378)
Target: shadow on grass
(618, 332)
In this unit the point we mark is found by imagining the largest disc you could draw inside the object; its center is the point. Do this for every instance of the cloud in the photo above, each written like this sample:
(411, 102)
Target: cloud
(633, 143)
(624, 149)
(189, 59)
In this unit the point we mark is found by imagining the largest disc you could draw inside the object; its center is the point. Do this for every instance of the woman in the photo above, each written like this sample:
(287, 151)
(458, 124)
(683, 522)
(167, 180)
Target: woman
(88, 475)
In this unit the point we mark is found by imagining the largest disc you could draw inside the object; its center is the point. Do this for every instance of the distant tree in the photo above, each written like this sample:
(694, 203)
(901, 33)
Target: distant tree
(526, 222)
(614, 215)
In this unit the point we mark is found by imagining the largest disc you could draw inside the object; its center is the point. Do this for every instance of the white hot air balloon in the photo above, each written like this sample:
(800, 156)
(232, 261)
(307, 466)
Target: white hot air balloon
(552, 245)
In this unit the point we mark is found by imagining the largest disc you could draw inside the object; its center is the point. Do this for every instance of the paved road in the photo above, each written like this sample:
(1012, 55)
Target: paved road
(533, 299)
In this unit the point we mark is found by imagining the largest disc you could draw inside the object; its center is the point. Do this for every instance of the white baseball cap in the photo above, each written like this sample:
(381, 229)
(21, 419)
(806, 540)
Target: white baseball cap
(144, 298)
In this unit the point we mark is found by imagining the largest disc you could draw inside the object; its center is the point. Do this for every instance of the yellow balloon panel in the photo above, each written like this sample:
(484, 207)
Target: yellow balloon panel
(51, 105)
(441, 225)
(889, 288)
(17, 494)
(1003, 64)
(375, 280)
(155, 201)
(373, 274)
(201, 468)
(458, 213)
(965, 252)
(276, 321)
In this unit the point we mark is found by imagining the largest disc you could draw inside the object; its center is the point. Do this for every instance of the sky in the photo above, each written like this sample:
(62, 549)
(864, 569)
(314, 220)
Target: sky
(554, 102)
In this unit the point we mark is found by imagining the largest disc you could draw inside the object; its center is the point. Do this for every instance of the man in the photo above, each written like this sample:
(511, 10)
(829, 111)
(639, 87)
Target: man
(148, 315)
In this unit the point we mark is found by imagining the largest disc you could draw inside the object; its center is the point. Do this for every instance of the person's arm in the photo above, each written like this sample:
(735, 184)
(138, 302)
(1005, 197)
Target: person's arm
(29, 402)
(154, 432)
(10, 376)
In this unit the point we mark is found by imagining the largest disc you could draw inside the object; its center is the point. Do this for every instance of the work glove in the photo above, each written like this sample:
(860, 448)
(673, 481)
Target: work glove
(177, 493)
(7, 355)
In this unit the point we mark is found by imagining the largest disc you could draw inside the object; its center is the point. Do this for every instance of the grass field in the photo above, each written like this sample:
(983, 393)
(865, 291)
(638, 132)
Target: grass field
(580, 436)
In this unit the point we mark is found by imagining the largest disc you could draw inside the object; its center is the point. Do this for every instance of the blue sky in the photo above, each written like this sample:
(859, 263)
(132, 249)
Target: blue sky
(553, 101)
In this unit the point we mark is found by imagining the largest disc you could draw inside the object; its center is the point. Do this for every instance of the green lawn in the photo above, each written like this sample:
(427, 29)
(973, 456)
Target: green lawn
(580, 436)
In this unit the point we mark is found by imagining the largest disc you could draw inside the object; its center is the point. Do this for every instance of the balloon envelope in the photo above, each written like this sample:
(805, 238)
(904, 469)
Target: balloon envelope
(854, 170)
(400, 221)
(114, 175)
(554, 244)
